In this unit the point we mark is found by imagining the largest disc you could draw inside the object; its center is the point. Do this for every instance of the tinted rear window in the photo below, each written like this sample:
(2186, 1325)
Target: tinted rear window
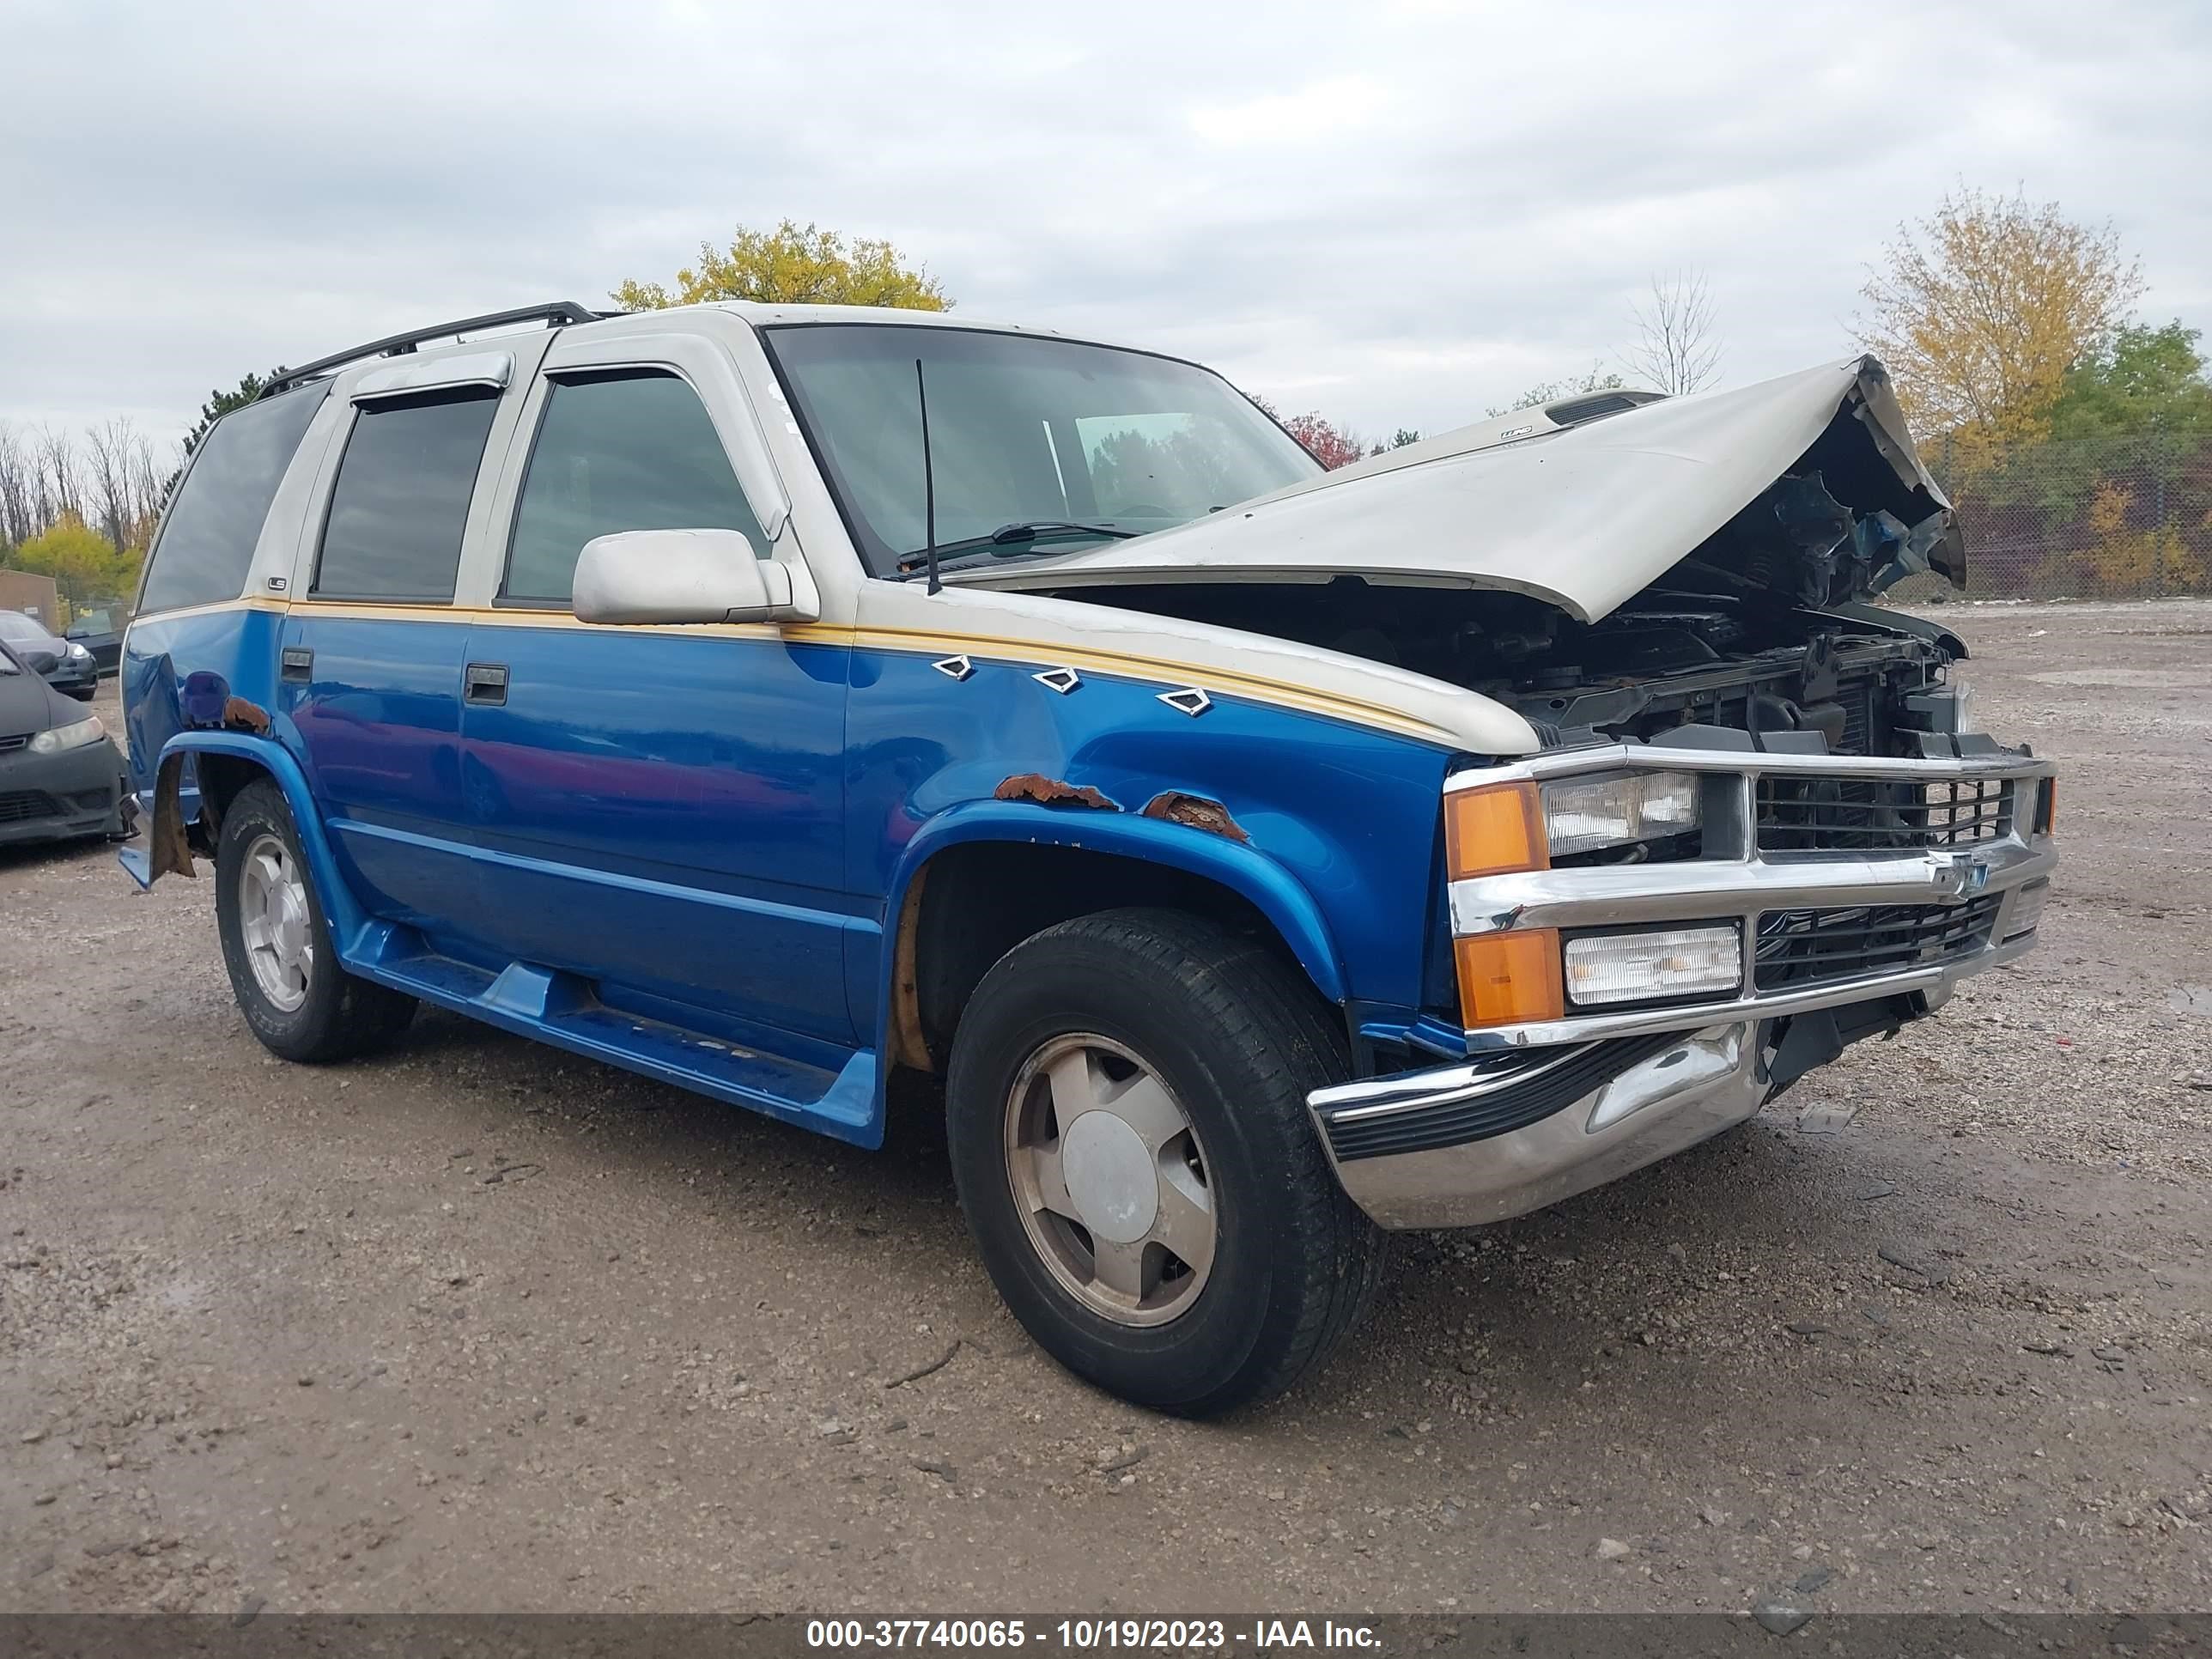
(402, 497)
(207, 543)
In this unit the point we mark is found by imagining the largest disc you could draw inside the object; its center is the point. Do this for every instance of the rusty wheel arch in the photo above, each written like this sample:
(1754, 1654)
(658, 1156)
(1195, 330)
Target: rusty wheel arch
(173, 842)
(971, 903)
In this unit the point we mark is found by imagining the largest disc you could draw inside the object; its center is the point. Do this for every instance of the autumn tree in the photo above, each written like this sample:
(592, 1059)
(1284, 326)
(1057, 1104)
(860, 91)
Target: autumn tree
(84, 564)
(1332, 445)
(1981, 308)
(1675, 350)
(795, 265)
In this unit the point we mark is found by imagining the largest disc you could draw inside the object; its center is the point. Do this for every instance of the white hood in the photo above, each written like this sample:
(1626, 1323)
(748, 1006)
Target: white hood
(1582, 516)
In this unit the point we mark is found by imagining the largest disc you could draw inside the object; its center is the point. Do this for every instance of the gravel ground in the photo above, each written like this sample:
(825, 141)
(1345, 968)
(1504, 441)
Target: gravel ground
(478, 1326)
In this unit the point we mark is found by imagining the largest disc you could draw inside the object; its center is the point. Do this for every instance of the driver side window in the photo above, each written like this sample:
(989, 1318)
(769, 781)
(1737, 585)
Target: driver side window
(629, 449)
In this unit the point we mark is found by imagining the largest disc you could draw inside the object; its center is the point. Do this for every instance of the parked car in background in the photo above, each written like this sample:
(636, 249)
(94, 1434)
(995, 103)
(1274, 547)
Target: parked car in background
(768, 698)
(63, 664)
(60, 774)
(100, 630)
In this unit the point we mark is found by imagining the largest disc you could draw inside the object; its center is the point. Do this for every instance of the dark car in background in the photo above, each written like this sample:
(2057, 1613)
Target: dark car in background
(65, 666)
(100, 630)
(60, 776)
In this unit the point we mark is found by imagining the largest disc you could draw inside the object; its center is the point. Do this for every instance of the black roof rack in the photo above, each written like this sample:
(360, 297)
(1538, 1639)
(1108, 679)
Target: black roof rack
(555, 314)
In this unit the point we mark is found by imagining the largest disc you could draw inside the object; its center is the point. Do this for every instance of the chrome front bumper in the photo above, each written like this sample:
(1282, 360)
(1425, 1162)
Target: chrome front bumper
(1546, 1109)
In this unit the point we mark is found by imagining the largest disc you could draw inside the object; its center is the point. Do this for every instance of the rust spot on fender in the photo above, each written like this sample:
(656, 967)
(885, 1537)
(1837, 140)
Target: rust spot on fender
(1196, 811)
(908, 1046)
(1051, 792)
(239, 715)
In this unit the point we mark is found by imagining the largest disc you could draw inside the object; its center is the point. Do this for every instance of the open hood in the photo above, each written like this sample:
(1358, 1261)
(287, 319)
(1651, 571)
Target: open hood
(1807, 486)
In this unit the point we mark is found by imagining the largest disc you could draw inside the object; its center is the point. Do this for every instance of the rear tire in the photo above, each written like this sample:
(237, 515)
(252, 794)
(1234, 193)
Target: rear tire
(283, 967)
(1216, 1040)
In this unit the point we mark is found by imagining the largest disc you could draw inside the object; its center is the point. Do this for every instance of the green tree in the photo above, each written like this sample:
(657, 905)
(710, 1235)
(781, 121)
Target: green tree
(84, 564)
(2142, 379)
(795, 265)
(2121, 488)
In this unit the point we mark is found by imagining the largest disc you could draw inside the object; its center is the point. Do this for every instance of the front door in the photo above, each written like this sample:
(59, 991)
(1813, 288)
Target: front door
(658, 809)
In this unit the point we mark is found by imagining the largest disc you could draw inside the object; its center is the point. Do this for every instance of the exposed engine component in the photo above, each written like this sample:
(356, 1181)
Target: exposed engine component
(1758, 630)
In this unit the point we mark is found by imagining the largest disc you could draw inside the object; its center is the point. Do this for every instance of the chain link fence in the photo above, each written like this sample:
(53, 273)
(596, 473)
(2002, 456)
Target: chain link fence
(2123, 517)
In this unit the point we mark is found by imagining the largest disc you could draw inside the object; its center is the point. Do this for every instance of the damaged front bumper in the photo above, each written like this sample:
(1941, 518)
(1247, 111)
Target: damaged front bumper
(61, 797)
(1839, 938)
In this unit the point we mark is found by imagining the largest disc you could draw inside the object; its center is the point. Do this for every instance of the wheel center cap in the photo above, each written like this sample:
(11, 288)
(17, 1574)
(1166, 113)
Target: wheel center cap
(1109, 1174)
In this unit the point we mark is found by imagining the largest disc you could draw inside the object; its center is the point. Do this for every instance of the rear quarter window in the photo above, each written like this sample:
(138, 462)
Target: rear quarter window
(206, 545)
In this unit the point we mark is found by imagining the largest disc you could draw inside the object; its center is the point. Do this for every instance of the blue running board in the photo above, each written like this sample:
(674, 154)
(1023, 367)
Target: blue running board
(564, 1009)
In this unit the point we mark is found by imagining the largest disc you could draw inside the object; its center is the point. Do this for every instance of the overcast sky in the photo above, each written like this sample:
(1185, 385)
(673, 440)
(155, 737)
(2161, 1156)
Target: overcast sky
(1394, 213)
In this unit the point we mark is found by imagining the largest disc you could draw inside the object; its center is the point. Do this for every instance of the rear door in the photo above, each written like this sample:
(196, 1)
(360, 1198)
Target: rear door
(373, 648)
(661, 807)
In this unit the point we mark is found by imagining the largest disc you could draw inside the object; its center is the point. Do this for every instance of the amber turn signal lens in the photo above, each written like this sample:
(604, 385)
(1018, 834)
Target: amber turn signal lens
(1505, 978)
(2047, 809)
(1489, 831)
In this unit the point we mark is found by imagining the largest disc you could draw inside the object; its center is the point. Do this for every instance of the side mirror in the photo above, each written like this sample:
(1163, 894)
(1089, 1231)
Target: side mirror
(681, 577)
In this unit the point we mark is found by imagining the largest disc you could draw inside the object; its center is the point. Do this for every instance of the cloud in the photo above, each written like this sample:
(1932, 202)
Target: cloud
(1399, 214)
(1324, 113)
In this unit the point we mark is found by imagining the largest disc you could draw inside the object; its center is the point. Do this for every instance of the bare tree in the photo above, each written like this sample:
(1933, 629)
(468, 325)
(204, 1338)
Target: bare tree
(109, 467)
(149, 487)
(1677, 352)
(60, 491)
(16, 488)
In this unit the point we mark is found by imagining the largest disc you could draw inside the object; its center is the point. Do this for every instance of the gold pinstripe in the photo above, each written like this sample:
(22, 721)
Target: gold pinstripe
(1224, 682)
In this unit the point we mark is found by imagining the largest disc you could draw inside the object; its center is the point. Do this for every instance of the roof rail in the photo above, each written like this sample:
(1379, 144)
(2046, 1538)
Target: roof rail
(553, 314)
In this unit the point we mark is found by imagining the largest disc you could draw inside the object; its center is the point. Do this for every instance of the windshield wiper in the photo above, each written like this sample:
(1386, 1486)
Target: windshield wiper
(1011, 540)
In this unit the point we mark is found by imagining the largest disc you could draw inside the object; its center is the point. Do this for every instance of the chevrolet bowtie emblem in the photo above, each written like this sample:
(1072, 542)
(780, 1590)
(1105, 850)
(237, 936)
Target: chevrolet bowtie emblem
(1966, 876)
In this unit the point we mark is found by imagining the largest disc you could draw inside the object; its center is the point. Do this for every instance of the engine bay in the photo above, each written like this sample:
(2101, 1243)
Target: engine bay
(1763, 629)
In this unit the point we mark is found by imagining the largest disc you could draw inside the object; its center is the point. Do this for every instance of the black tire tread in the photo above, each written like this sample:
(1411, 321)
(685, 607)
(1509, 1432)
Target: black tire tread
(1290, 1041)
(345, 1016)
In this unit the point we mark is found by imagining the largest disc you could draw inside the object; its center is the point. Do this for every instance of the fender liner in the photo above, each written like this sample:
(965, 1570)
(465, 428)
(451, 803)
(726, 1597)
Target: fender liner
(1273, 891)
(348, 921)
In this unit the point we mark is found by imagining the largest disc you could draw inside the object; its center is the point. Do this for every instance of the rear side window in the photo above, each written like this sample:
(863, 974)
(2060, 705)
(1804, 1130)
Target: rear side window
(402, 497)
(629, 451)
(207, 544)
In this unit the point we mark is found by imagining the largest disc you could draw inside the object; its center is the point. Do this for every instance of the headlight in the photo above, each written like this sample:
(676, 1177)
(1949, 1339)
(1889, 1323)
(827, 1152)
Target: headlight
(1672, 962)
(77, 651)
(75, 735)
(1582, 814)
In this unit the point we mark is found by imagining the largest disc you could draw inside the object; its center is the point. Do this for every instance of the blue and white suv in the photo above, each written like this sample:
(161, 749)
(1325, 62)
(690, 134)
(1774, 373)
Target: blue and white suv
(767, 698)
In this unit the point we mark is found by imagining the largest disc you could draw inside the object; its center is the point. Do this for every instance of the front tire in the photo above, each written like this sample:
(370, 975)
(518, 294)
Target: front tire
(1129, 1135)
(283, 967)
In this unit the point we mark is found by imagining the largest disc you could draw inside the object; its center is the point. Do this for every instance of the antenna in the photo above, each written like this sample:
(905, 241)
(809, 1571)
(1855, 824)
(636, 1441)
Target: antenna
(928, 481)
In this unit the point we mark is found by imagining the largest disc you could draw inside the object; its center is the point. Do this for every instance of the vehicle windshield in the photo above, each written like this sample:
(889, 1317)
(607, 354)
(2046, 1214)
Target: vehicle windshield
(1022, 430)
(23, 629)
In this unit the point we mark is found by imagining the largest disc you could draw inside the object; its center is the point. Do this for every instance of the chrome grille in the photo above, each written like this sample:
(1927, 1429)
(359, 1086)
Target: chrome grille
(1869, 815)
(1798, 948)
(16, 742)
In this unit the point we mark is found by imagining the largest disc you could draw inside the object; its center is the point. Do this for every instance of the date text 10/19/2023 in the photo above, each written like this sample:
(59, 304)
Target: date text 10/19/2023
(1256, 1636)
